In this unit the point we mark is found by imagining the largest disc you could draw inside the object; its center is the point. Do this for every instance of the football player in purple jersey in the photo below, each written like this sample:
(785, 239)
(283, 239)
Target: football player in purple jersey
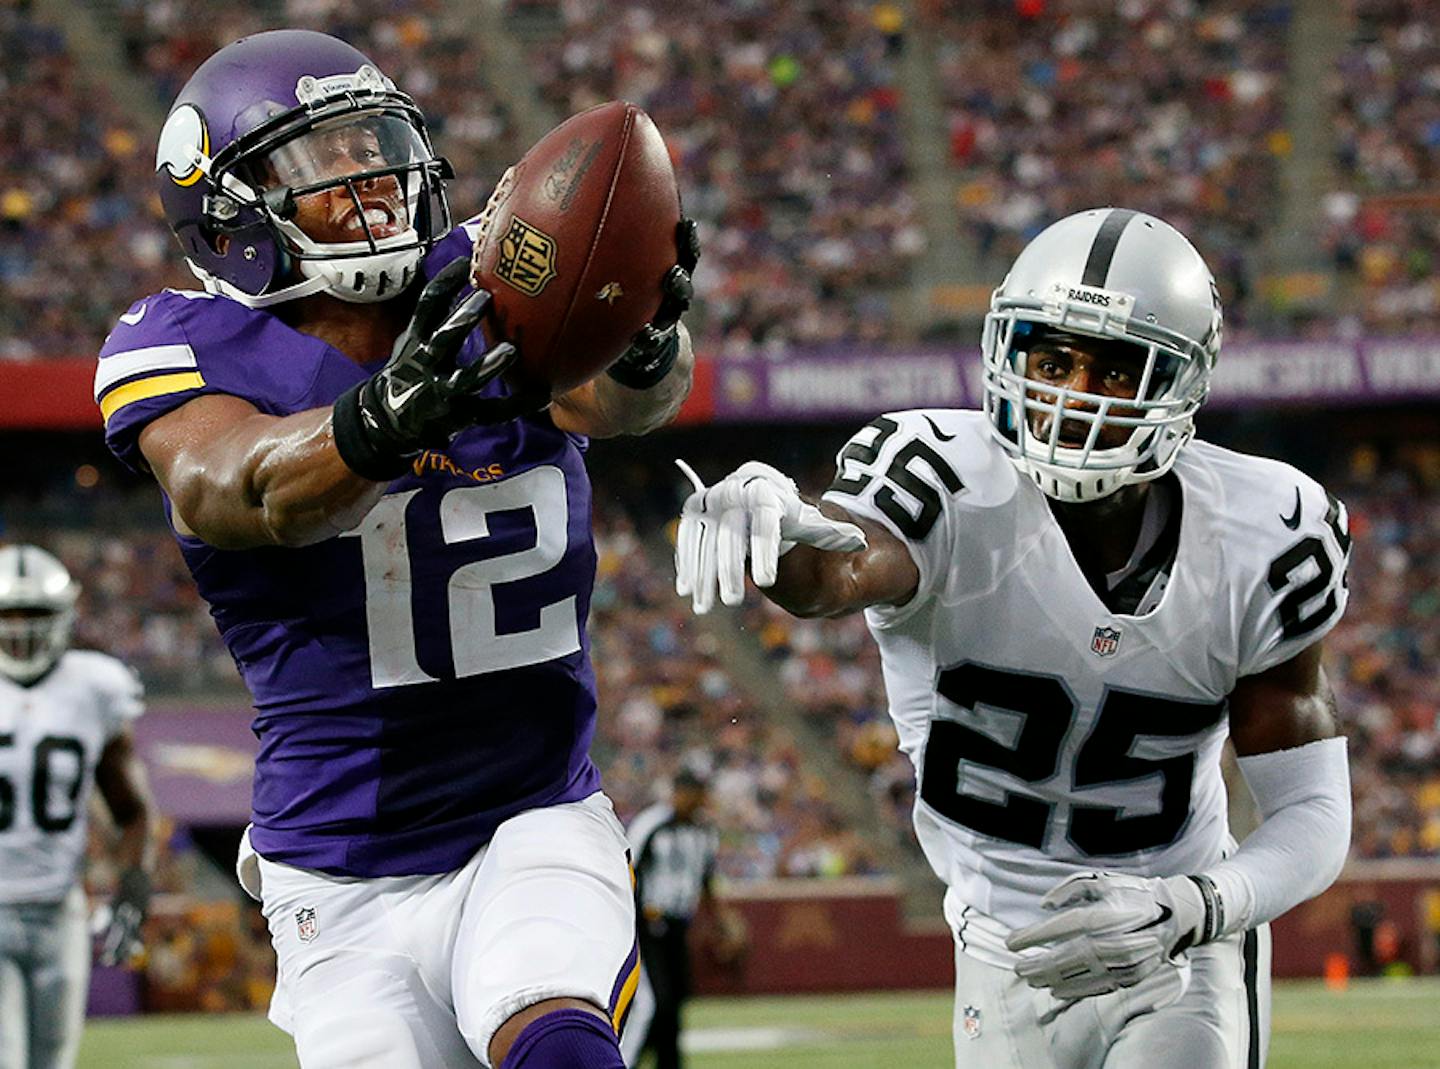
(398, 554)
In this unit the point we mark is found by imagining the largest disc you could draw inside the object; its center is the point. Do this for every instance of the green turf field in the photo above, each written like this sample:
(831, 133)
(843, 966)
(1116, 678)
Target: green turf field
(1374, 1025)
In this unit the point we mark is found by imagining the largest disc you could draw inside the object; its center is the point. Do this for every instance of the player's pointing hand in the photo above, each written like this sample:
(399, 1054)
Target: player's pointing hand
(754, 512)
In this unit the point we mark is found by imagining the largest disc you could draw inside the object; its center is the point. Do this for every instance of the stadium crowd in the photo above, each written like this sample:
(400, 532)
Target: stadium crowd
(789, 151)
(784, 122)
(1176, 109)
(80, 236)
(1384, 652)
(1383, 224)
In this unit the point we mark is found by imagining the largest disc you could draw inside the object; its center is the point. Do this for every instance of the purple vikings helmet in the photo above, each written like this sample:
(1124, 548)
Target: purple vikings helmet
(278, 116)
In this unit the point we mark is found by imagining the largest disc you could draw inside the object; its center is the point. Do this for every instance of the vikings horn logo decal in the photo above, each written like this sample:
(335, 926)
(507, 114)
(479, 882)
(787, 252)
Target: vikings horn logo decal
(184, 145)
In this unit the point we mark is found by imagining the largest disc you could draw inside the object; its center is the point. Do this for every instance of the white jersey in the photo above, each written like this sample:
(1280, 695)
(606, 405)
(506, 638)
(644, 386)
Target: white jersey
(51, 736)
(1050, 735)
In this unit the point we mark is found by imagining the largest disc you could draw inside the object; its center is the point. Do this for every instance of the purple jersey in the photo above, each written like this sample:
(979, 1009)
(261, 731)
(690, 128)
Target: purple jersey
(417, 680)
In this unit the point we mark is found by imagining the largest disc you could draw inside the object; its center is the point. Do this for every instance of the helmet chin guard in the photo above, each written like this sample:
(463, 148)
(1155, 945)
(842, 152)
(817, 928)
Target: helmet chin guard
(1117, 276)
(366, 279)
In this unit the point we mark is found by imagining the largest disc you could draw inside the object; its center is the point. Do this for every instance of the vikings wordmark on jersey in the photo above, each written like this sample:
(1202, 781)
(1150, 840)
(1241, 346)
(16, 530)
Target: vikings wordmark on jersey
(1052, 735)
(421, 678)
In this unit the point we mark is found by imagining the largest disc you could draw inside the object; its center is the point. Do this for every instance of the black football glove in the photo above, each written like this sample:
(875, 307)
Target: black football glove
(654, 348)
(420, 399)
(120, 941)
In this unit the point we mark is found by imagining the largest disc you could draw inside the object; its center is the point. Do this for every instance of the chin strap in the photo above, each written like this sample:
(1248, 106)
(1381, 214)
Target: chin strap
(221, 288)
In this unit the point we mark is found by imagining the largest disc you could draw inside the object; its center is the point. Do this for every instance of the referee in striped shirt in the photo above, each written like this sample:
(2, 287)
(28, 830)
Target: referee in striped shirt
(674, 851)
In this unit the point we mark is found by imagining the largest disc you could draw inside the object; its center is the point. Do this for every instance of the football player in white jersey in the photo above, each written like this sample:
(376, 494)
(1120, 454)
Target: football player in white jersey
(64, 725)
(1075, 604)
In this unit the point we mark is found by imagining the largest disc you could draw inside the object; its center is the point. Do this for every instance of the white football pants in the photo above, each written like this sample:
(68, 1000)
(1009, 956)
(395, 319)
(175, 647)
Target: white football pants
(44, 980)
(1221, 1020)
(418, 972)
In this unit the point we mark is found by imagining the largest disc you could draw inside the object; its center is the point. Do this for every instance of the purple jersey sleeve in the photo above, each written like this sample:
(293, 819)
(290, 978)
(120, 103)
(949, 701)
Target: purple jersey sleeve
(174, 346)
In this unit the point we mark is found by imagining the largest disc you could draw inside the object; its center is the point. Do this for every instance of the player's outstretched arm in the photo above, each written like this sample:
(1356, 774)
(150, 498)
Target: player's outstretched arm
(605, 407)
(239, 478)
(1283, 722)
(811, 560)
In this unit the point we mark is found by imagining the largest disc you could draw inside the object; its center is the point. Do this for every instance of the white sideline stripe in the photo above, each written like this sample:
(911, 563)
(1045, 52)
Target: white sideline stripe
(221, 1061)
(718, 1040)
(119, 366)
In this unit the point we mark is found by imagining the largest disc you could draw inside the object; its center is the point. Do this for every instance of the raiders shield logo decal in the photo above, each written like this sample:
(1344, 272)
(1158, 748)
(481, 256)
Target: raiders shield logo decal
(306, 925)
(1105, 642)
(527, 257)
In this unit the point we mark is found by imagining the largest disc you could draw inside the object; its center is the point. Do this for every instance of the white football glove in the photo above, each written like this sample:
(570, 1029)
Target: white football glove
(1108, 931)
(754, 512)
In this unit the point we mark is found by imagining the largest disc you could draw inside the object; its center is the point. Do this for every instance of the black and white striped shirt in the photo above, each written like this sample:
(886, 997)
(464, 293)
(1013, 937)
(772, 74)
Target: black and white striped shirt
(673, 862)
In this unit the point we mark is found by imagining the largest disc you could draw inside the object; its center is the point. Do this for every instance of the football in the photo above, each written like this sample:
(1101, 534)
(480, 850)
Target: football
(575, 242)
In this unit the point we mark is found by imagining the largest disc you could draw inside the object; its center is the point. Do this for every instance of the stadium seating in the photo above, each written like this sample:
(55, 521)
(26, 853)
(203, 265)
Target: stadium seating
(80, 235)
(1384, 222)
(784, 123)
(1175, 109)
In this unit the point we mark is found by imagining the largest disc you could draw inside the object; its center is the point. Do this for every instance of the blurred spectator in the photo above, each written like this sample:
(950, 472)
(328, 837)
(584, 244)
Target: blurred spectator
(1383, 226)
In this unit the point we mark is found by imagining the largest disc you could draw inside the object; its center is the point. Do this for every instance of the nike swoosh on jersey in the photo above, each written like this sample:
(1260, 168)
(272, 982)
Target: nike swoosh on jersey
(938, 432)
(1292, 521)
(134, 317)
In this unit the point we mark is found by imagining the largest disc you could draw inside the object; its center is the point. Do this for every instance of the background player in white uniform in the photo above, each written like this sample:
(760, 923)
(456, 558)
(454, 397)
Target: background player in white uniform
(64, 724)
(1075, 604)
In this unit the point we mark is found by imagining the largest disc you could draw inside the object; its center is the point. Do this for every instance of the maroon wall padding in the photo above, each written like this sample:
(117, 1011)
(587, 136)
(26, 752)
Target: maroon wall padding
(48, 395)
(1408, 891)
(850, 935)
(828, 935)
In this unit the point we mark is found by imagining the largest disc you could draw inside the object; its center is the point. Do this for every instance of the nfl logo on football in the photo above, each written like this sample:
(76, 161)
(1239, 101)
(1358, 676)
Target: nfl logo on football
(1105, 642)
(306, 925)
(970, 1022)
